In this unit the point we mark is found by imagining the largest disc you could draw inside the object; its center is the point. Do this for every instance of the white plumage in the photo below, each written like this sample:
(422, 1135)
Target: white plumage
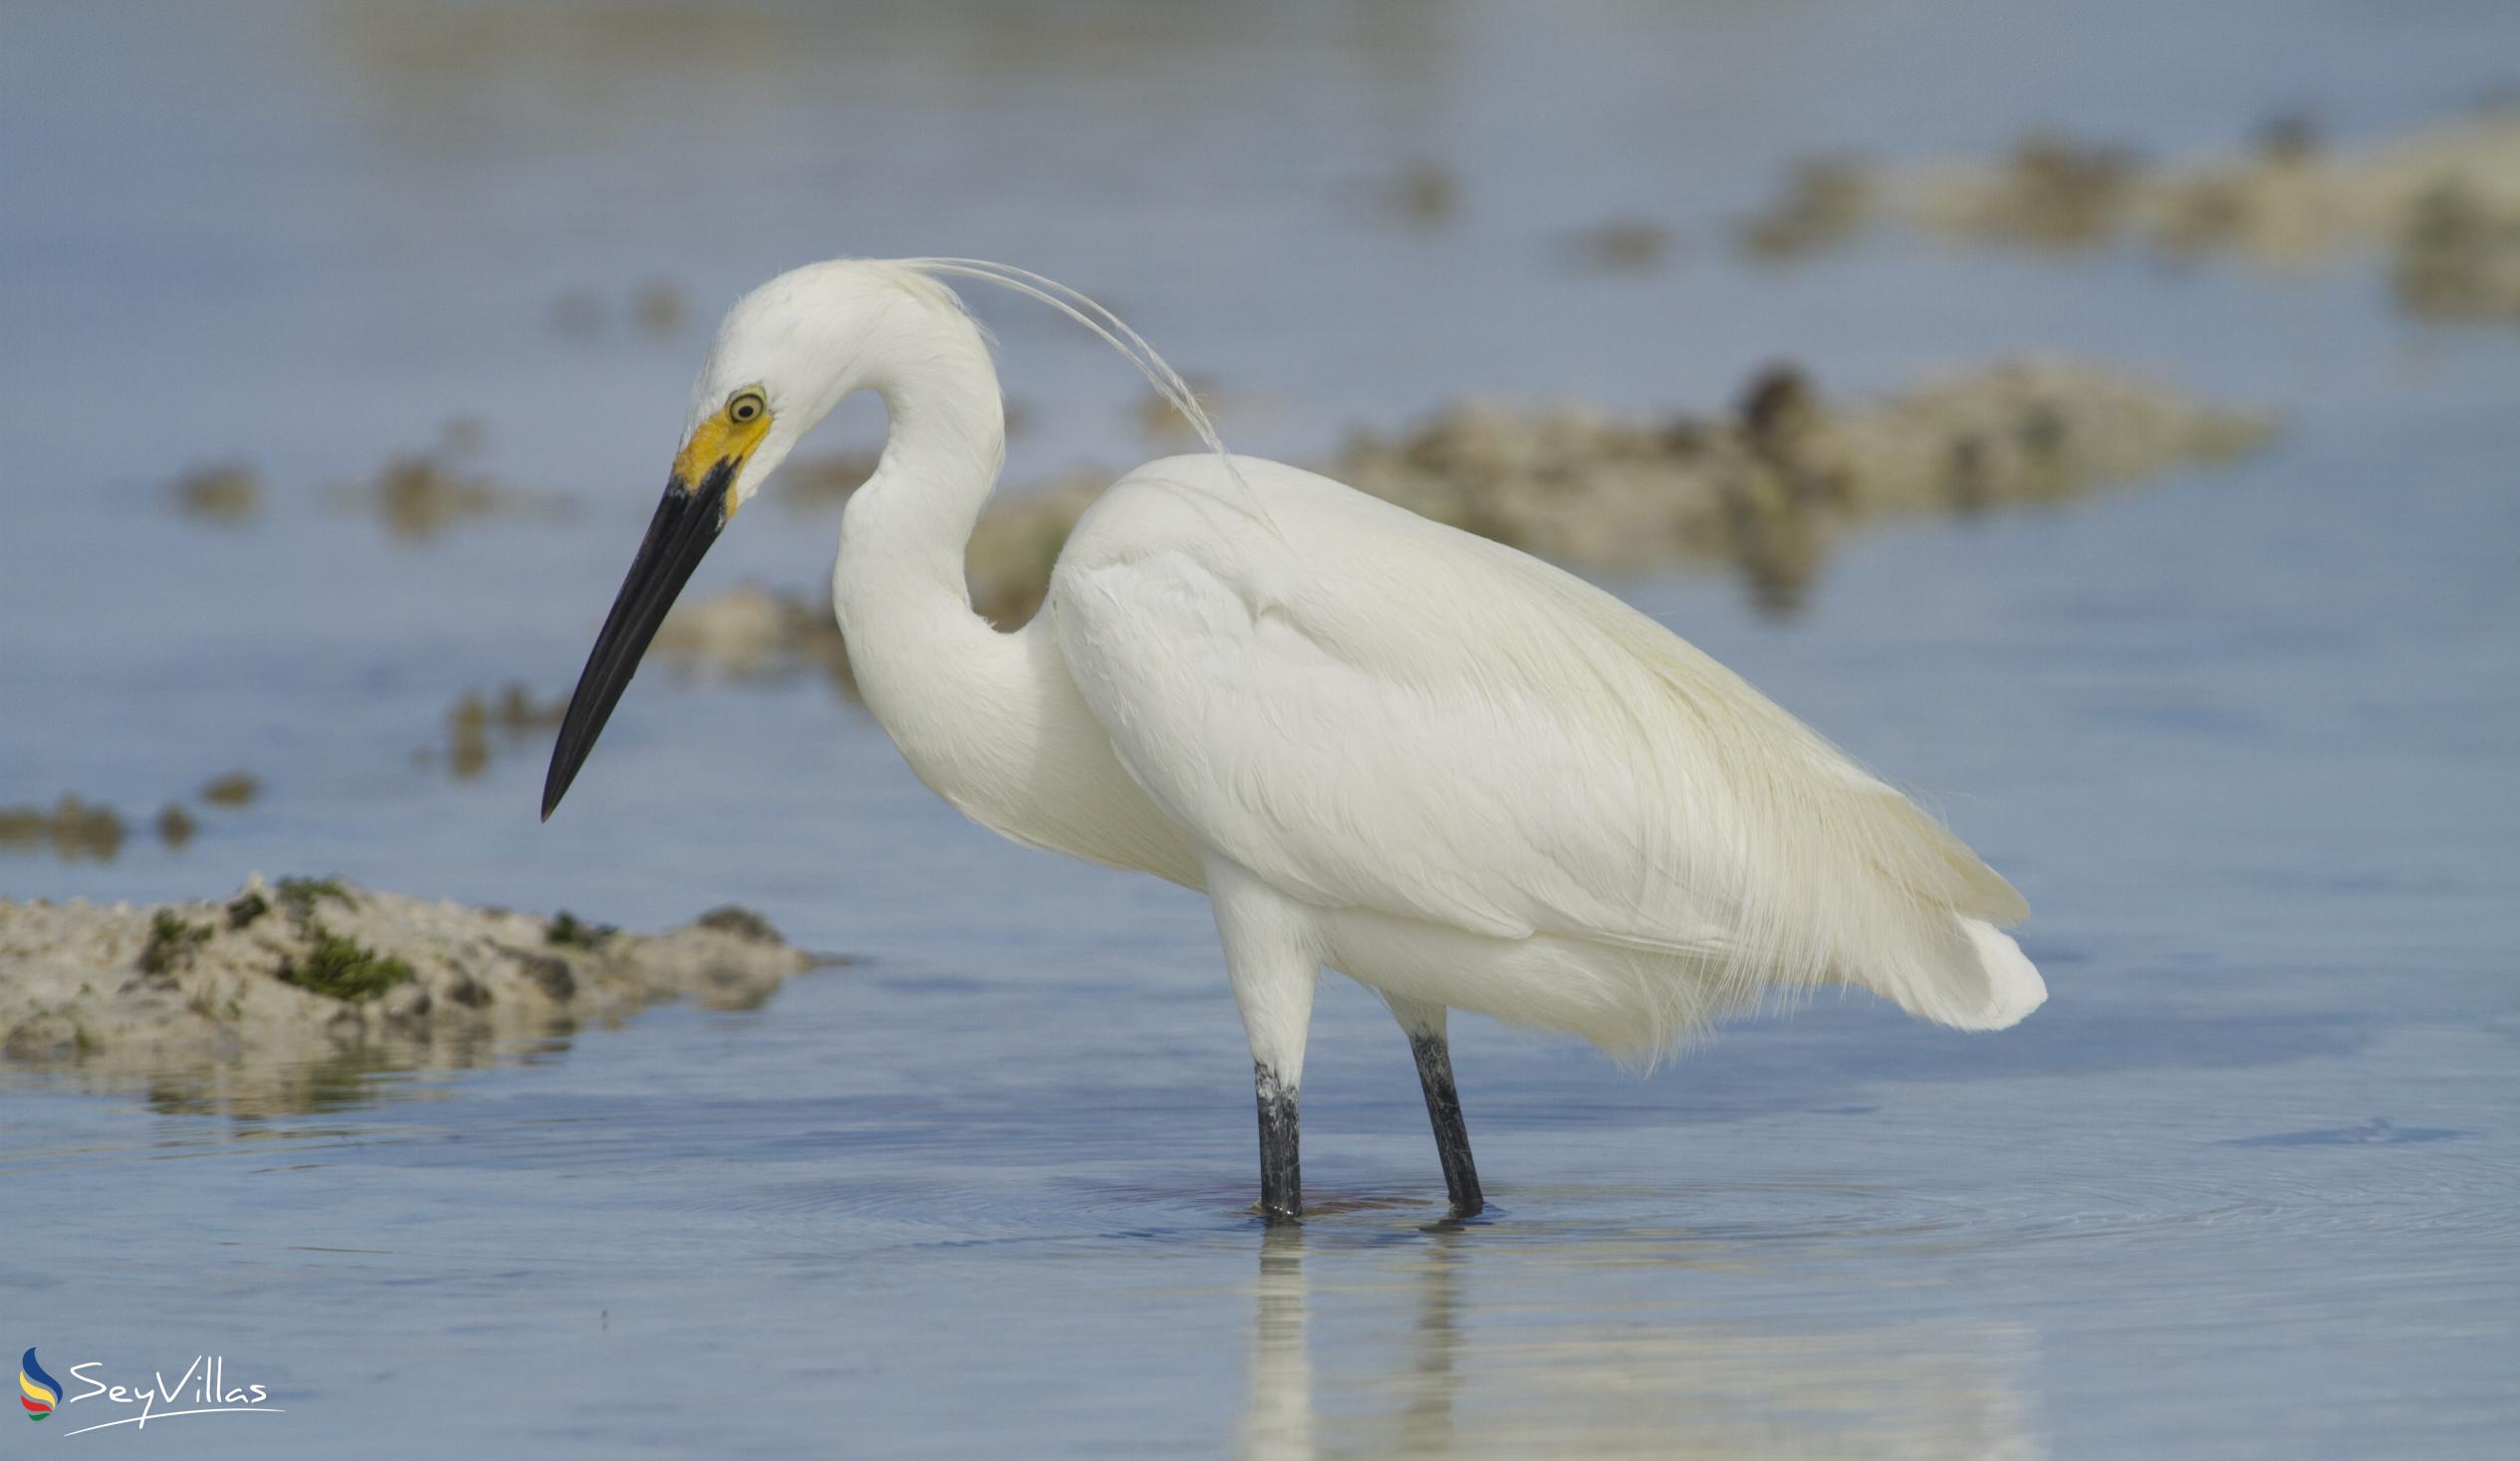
(1394, 723)
(1446, 769)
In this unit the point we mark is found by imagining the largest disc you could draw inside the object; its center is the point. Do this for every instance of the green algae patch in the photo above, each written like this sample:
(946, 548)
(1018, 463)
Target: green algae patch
(300, 895)
(245, 907)
(341, 968)
(569, 929)
(172, 941)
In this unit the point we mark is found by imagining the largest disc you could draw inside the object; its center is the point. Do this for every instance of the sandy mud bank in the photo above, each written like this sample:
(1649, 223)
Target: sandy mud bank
(2442, 204)
(251, 998)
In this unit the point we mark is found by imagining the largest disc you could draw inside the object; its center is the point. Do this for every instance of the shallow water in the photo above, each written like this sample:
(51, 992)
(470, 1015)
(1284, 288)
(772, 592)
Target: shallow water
(2249, 741)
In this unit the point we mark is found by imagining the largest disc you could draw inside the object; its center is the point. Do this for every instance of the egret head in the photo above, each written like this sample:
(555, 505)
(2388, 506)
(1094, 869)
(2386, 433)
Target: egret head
(786, 355)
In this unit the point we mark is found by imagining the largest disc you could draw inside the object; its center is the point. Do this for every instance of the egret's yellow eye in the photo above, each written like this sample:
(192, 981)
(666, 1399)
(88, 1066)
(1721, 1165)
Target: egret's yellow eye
(746, 408)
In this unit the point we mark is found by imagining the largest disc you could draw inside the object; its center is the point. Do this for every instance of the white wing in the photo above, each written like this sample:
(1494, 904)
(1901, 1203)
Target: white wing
(1366, 709)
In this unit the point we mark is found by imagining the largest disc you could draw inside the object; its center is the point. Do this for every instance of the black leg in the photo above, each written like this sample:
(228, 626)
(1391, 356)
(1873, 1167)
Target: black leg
(1444, 1110)
(1281, 1166)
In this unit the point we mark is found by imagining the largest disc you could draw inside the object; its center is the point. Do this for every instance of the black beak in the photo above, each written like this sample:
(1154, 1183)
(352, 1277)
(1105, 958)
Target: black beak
(686, 523)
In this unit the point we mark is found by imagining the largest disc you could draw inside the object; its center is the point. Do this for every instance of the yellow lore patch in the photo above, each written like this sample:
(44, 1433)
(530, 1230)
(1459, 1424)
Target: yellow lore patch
(731, 434)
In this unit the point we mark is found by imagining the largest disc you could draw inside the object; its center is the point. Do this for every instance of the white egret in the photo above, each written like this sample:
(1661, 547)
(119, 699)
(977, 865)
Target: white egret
(1445, 769)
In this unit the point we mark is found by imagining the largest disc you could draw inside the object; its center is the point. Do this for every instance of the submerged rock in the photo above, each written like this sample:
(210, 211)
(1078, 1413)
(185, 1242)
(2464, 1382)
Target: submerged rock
(418, 495)
(232, 789)
(749, 632)
(660, 308)
(479, 725)
(2443, 203)
(2051, 192)
(226, 492)
(1618, 246)
(1765, 488)
(1825, 201)
(1426, 194)
(225, 999)
(72, 827)
(2457, 255)
(175, 826)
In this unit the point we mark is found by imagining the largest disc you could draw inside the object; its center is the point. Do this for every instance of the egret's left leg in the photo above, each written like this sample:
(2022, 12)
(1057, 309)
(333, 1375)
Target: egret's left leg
(1425, 1026)
(1274, 961)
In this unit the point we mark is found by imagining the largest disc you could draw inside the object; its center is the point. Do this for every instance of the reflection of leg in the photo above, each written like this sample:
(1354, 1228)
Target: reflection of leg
(1279, 1424)
(1427, 1430)
(1425, 1026)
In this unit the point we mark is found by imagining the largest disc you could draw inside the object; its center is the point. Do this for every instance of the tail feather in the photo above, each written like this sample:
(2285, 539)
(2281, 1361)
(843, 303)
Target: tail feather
(1968, 975)
(2006, 984)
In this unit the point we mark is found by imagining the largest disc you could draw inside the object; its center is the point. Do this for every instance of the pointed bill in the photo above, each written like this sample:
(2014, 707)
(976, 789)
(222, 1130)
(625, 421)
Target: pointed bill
(687, 524)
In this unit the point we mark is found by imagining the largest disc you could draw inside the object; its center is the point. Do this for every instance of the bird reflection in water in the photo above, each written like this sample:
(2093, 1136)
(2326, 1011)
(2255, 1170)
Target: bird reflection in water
(1278, 1425)
(1519, 1378)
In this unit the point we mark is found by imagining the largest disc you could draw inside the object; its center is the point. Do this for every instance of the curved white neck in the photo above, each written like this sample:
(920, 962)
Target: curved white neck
(966, 704)
(989, 721)
(905, 531)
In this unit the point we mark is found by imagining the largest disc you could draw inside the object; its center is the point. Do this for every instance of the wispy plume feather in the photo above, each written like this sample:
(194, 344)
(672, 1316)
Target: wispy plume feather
(1113, 331)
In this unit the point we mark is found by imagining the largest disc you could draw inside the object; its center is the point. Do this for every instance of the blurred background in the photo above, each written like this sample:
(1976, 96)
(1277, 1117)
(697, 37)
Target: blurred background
(2102, 419)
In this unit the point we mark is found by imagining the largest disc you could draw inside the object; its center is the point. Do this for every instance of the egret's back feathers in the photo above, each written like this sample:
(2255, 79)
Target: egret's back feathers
(1387, 714)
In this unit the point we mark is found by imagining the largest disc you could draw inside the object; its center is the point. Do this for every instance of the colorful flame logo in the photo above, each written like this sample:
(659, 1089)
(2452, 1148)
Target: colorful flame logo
(37, 1392)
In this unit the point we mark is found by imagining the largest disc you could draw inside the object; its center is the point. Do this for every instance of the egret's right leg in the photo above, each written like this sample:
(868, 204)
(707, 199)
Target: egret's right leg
(1272, 955)
(1425, 1024)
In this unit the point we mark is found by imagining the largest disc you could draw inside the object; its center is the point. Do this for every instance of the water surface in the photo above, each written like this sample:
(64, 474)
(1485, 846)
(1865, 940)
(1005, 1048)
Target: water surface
(2248, 741)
